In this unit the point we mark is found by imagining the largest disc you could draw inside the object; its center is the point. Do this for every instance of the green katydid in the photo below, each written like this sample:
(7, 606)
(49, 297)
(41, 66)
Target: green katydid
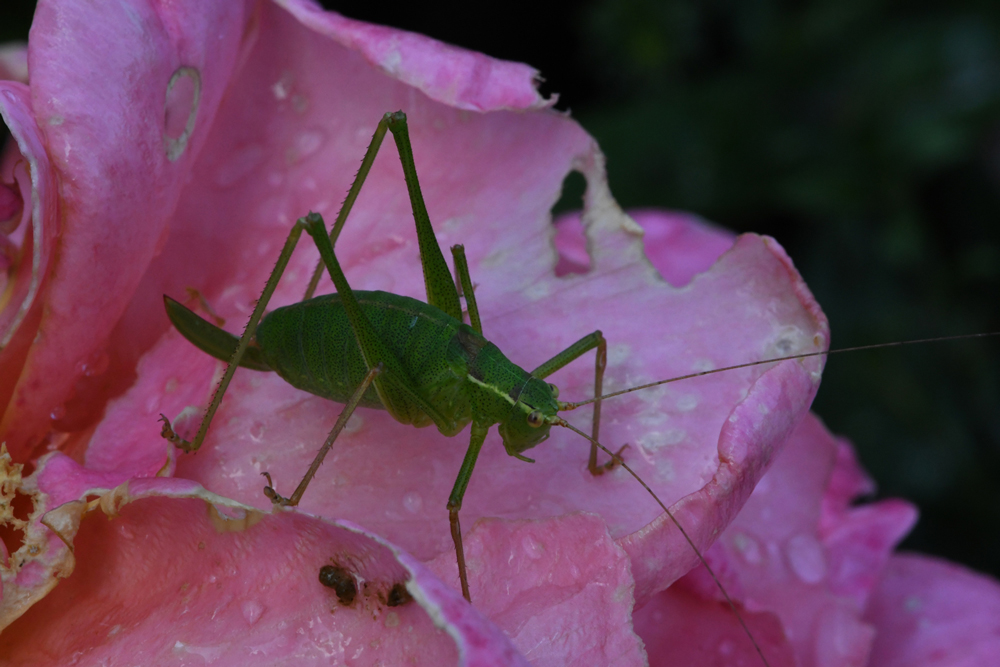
(417, 360)
(449, 375)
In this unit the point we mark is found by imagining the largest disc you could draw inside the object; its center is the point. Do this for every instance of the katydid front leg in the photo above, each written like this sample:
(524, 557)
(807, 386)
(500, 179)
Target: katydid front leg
(571, 353)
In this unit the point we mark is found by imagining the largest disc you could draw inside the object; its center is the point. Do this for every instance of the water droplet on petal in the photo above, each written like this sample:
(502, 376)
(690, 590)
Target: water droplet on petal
(806, 558)
(57, 413)
(251, 611)
(687, 402)
(354, 423)
(96, 364)
(238, 164)
(282, 88)
(532, 547)
(257, 431)
(180, 110)
(748, 548)
(305, 144)
(413, 502)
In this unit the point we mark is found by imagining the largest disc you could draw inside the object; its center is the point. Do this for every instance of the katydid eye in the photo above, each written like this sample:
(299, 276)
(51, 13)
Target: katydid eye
(554, 389)
(535, 419)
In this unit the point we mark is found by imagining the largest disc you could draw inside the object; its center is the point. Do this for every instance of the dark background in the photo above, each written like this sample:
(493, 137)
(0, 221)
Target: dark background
(863, 134)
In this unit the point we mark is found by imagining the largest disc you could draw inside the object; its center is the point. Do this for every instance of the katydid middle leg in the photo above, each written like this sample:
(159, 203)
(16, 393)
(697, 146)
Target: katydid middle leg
(345, 414)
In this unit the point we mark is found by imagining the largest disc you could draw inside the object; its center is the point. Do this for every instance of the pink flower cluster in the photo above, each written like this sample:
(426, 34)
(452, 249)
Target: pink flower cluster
(165, 146)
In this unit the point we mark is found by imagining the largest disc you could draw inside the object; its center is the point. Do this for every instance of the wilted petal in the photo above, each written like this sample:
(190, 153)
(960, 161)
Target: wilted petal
(234, 586)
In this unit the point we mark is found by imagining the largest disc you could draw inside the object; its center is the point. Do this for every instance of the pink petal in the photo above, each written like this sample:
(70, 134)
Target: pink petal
(680, 627)
(679, 245)
(786, 555)
(118, 186)
(564, 590)
(447, 74)
(286, 138)
(241, 588)
(26, 167)
(930, 613)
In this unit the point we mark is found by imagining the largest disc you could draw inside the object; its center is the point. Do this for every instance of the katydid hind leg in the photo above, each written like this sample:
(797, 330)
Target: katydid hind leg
(438, 282)
(345, 415)
(352, 196)
(440, 287)
(462, 273)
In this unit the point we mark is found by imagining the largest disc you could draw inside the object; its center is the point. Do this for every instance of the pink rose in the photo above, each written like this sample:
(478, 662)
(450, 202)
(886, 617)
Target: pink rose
(166, 147)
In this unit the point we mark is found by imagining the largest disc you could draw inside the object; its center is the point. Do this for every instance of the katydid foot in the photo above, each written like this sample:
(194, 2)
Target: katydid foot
(616, 460)
(168, 433)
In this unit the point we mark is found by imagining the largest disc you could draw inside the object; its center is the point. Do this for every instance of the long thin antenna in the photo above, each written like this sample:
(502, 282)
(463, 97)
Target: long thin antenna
(806, 355)
(732, 605)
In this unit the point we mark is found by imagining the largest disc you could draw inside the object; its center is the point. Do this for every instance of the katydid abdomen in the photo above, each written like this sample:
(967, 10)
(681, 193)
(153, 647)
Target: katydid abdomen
(312, 346)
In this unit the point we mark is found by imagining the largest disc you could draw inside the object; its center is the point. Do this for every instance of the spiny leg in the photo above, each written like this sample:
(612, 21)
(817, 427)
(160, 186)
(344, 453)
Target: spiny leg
(476, 440)
(438, 282)
(251, 328)
(574, 351)
(352, 196)
(345, 414)
(462, 271)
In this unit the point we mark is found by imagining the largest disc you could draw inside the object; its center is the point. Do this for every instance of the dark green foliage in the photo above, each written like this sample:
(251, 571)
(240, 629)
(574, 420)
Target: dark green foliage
(865, 136)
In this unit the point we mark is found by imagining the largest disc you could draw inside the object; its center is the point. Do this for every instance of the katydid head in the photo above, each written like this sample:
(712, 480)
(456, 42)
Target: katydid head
(530, 417)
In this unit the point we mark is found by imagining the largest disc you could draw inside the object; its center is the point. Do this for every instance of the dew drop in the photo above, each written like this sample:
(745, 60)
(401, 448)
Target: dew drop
(806, 558)
(305, 144)
(532, 547)
(687, 402)
(238, 164)
(282, 88)
(354, 424)
(413, 502)
(748, 548)
(180, 110)
(251, 611)
(257, 431)
(57, 413)
(96, 364)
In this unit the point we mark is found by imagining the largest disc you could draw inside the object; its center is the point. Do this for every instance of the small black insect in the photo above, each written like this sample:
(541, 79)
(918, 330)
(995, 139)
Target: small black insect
(398, 595)
(341, 581)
